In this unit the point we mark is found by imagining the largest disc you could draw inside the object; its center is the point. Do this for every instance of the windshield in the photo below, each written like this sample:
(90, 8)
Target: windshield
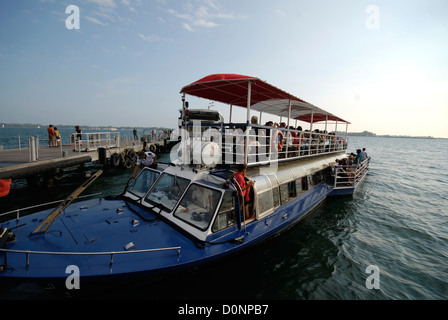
(198, 205)
(143, 182)
(167, 191)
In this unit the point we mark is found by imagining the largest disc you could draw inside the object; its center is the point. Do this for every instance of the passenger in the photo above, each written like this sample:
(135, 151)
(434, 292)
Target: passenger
(254, 120)
(358, 157)
(268, 137)
(147, 159)
(364, 154)
(239, 176)
(253, 140)
(292, 143)
(203, 197)
(279, 137)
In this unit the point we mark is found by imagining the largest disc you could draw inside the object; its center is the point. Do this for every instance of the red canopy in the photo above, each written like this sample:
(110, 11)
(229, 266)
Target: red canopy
(233, 89)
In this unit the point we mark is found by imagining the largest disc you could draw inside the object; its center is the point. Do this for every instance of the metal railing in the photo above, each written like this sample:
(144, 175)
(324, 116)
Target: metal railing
(95, 140)
(111, 253)
(265, 143)
(17, 211)
(350, 176)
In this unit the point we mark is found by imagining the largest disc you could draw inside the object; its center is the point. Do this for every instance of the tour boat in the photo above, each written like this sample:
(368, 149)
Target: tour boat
(191, 210)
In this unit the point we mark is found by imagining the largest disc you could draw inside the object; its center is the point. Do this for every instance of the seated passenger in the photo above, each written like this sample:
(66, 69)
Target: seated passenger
(203, 197)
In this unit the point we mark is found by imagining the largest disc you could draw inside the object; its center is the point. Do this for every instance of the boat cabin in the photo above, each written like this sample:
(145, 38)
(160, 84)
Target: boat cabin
(197, 191)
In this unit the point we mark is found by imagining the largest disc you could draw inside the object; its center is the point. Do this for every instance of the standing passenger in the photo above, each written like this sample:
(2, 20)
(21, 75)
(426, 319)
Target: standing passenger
(358, 157)
(245, 188)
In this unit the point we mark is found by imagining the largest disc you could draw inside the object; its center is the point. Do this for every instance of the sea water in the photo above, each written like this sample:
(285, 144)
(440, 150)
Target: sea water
(397, 223)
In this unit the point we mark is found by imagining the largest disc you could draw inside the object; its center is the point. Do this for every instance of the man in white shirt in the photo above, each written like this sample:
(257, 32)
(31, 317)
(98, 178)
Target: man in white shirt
(203, 197)
(147, 159)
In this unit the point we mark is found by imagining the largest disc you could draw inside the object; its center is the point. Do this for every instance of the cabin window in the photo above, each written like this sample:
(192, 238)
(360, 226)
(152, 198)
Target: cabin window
(304, 183)
(265, 201)
(287, 191)
(284, 193)
(143, 182)
(309, 181)
(298, 183)
(167, 192)
(319, 176)
(226, 215)
(197, 206)
(275, 197)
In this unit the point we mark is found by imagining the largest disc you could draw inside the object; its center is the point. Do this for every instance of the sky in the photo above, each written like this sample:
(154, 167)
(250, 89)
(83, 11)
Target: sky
(381, 65)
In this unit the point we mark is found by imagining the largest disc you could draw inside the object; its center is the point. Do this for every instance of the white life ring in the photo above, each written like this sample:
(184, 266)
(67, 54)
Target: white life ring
(277, 145)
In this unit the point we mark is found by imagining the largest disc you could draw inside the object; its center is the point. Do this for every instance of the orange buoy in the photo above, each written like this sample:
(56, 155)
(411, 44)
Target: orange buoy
(5, 186)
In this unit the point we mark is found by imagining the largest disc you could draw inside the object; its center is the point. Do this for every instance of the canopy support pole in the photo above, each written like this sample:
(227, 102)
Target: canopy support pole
(346, 131)
(230, 116)
(311, 133)
(248, 127)
(288, 133)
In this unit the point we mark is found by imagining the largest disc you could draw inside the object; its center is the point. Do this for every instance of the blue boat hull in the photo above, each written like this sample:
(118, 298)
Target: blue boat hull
(92, 231)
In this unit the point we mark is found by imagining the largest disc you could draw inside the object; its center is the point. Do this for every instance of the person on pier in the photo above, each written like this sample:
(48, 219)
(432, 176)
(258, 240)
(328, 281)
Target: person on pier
(51, 136)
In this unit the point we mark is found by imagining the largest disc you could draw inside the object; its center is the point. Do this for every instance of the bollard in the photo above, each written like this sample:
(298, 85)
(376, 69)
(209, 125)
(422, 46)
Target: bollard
(102, 156)
(31, 149)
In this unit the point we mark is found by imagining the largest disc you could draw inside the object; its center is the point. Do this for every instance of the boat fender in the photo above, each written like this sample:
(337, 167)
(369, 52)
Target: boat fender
(58, 174)
(152, 148)
(129, 164)
(115, 158)
(131, 153)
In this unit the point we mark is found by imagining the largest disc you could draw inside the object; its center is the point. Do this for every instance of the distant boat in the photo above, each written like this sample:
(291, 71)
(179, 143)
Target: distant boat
(113, 129)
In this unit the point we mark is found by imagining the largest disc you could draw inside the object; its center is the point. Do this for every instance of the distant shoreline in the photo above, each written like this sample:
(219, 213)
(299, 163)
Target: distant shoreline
(374, 135)
(350, 134)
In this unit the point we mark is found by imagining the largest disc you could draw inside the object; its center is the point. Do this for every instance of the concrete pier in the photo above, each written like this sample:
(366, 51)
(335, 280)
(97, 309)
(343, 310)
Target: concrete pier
(17, 163)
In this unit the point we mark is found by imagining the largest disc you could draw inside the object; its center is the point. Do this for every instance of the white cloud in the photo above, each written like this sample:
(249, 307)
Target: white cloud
(149, 38)
(202, 14)
(96, 21)
(105, 3)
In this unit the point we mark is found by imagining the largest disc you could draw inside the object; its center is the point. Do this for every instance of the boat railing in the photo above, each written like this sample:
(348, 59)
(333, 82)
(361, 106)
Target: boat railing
(269, 144)
(18, 211)
(94, 140)
(110, 253)
(350, 176)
